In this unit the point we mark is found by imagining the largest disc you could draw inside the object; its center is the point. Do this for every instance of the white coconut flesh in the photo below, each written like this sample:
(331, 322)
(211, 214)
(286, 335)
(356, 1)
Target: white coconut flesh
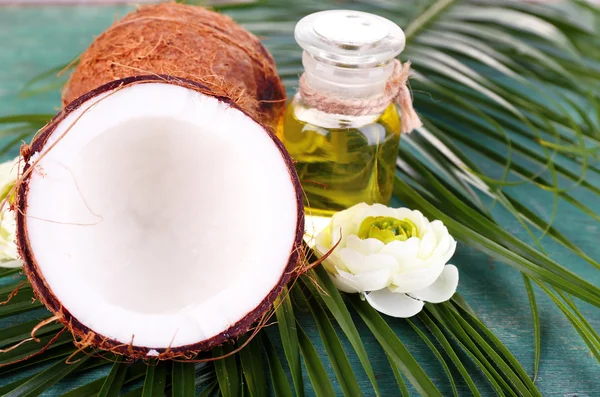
(162, 215)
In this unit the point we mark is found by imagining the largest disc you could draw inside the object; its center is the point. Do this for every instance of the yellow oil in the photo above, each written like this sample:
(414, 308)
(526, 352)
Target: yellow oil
(343, 164)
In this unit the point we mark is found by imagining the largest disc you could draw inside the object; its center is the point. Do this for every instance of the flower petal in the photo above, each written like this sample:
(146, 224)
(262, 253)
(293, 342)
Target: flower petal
(358, 263)
(375, 210)
(333, 261)
(446, 245)
(450, 251)
(393, 304)
(343, 284)
(12, 264)
(316, 230)
(442, 289)
(415, 216)
(9, 171)
(366, 281)
(346, 223)
(428, 244)
(336, 230)
(366, 246)
(403, 251)
(8, 248)
(324, 238)
(443, 246)
(439, 229)
(417, 279)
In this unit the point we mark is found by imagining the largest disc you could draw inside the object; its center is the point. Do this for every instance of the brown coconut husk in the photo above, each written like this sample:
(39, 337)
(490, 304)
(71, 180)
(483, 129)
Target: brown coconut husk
(86, 337)
(189, 42)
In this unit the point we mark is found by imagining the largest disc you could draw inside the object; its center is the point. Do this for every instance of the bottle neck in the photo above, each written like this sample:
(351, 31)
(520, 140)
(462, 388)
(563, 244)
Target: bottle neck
(305, 113)
(346, 82)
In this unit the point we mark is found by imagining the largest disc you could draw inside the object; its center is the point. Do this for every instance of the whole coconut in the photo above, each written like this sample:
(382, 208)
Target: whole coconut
(189, 42)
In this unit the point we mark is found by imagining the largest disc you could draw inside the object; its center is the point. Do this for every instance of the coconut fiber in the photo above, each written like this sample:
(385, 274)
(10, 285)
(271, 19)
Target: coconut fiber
(189, 42)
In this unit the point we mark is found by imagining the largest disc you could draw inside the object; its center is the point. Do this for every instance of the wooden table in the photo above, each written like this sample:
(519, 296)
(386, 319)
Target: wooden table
(34, 39)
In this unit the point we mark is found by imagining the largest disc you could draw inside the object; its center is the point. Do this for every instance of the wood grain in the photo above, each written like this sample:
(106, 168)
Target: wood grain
(33, 39)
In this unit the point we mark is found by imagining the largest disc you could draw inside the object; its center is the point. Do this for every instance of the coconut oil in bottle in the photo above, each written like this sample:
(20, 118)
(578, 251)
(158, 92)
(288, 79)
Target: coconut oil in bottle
(344, 156)
(346, 162)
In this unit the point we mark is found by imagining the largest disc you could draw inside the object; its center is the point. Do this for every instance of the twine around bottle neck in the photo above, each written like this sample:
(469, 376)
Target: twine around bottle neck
(396, 91)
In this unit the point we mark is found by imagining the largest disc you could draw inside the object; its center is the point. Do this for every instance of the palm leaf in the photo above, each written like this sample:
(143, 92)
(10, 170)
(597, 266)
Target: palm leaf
(154, 382)
(335, 351)
(230, 383)
(281, 386)
(253, 367)
(183, 379)
(314, 366)
(395, 349)
(500, 81)
(437, 354)
(336, 306)
(115, 379)
(289, 338)
(46, 378)
(208, 390)
(537, 334)
(401, 384)
(443, 341)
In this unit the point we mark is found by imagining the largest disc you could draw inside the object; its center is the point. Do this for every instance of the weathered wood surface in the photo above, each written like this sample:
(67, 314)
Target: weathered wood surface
(34, 39)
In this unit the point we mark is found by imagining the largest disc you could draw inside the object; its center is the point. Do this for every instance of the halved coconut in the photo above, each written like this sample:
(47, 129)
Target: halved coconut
(157, 218)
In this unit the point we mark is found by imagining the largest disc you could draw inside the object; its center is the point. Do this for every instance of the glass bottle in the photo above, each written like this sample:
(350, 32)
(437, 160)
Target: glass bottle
(344, 159)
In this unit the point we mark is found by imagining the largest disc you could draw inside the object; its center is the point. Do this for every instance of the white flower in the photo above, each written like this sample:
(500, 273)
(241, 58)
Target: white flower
(394, 256)
(9, 256)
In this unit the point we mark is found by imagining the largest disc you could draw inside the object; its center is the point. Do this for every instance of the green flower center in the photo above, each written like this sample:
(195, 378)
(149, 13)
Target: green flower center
(387, 229)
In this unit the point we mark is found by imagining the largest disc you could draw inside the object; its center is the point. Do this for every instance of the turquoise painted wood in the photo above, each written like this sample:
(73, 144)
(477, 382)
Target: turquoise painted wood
(34, 39)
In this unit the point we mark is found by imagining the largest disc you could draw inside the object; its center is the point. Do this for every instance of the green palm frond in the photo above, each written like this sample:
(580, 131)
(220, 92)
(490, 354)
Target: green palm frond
(510, 96)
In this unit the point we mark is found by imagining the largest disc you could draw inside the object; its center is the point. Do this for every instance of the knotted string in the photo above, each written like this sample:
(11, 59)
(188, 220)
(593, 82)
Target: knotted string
(396, 91)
